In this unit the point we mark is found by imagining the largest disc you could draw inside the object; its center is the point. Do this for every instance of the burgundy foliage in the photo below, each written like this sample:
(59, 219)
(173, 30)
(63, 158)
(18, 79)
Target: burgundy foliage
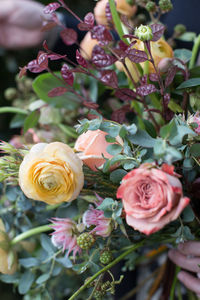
(119, 115)
(109, 77)
(42, 60)
(158, 30)
(137, 56)
(80, 60)
(101, 34)
(58, 91)
(145, 89)
(88, 23)
(34, 67)
(50, 8)
(102, 60)
(153, 77)
(170, 75)
(108, 12)
(69, 36)
(67, 75)
(125, 94)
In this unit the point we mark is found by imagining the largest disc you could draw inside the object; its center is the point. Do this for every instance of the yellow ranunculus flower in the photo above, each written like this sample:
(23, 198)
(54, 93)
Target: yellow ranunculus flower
(51, 173)
(8, 258)
(159, 49)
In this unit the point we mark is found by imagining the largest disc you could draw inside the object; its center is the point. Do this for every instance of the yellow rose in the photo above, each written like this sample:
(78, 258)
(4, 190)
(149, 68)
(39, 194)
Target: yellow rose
(122, 7)
(159, 49)
(87, 45)
(51, 173)
(8, 258)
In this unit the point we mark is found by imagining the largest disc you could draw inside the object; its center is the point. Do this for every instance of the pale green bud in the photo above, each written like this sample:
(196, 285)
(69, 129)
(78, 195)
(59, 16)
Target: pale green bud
(144, 33)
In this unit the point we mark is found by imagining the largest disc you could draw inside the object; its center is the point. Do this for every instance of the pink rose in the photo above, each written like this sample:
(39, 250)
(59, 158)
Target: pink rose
(92, 145)
(151, 197)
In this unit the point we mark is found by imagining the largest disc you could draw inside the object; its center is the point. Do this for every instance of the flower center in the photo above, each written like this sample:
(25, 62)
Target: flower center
(48, 181)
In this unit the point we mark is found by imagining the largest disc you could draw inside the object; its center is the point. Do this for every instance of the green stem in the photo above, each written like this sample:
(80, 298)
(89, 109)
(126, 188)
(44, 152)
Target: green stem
(174, 283)
(15, 110)
(29, 233)
(109, 266)
(195, 50)
(68, 131)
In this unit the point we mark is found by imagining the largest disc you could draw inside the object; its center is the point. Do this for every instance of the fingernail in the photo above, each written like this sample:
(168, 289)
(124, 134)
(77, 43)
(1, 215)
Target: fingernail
(180, 276)
(171, 253)
(180, 246)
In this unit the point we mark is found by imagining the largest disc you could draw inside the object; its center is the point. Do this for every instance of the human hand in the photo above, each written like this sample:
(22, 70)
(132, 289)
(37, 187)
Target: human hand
(20, 23)
(187, 256)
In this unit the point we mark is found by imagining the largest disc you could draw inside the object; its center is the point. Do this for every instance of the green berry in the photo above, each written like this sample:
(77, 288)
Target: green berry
(10, 93)
(105, 285)
(98, 294)
(165, 5)
(144, 33)
(85, 240)
(106, 257)
(151, 6)
(180, 29)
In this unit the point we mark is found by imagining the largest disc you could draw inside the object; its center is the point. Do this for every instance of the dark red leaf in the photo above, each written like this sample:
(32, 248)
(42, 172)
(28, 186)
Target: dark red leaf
(42, 60)
(83, 27)
(69, 36)
(109, 77)
(108, 12)
(97, 50)
(56, 56)
(170, 76)
(103, 60)
(90, 105)
(129, 36)
(144, 79)
(50, 8)
(137, 56)
(101, 34)
(58, 91)
(34, 67)
(125, 94)
(146, 89)
(125, 20)
(45, 46)
(122, 46)
(119, 115)
(153, 77)
(67, 75)
(89, 20)
(158, 31)
(80, 60)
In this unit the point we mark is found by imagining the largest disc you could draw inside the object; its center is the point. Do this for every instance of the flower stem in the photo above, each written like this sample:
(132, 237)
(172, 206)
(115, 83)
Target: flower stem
(174, 284)
(194, 52)
(29, 233)
(109, 266)
(15, 110)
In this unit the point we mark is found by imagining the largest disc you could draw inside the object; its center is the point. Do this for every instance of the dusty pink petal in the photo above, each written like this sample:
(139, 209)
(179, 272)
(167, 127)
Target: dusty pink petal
(92, 161)
(148, 227)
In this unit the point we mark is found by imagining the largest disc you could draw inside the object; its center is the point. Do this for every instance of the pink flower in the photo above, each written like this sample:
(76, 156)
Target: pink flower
(96, 217)
(195, 119)
(92, 146)
(151, 197)
(64, 235)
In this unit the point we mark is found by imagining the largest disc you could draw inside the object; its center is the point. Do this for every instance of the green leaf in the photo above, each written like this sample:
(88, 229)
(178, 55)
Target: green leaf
(188, 215)
(110, 139)
(117, 175)
(176, 108)
(177, 135)
(111, 128)
(42, 278)
(189, 83)
(107, 204)
(46, 82)
(166, 130)
(26, 282)
(114, 149)
(29, 262)
(183, 54)
(17, 121)
(188, 36)
(195, 150)
(142, 138)
(31, 121)
(47, 244)
(10, 278)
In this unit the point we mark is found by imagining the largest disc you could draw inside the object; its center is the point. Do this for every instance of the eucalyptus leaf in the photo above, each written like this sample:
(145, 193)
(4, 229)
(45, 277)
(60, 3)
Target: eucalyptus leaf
(117, 175)
(26, 282)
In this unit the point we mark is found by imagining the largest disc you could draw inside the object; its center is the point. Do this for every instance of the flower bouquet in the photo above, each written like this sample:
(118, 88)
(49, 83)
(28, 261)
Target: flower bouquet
(107, 168)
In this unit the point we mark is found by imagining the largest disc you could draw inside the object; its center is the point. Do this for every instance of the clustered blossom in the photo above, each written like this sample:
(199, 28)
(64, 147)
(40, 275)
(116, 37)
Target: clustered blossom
(96, 218)
(64, 235)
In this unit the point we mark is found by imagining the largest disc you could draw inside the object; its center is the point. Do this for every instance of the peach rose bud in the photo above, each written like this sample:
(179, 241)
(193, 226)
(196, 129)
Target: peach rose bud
(92, 146)
(51, 173)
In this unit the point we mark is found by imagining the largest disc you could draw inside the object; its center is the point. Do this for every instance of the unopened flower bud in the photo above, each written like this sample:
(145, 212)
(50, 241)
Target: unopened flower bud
(151, 6)
(10, 94)
(106, 257)
(165, 64)
(180, 29)
(144, 33)
(165, 5)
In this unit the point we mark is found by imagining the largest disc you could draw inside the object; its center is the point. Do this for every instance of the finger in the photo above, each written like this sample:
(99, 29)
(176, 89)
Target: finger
(190, 264)
(190, 281)
(190, 248)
